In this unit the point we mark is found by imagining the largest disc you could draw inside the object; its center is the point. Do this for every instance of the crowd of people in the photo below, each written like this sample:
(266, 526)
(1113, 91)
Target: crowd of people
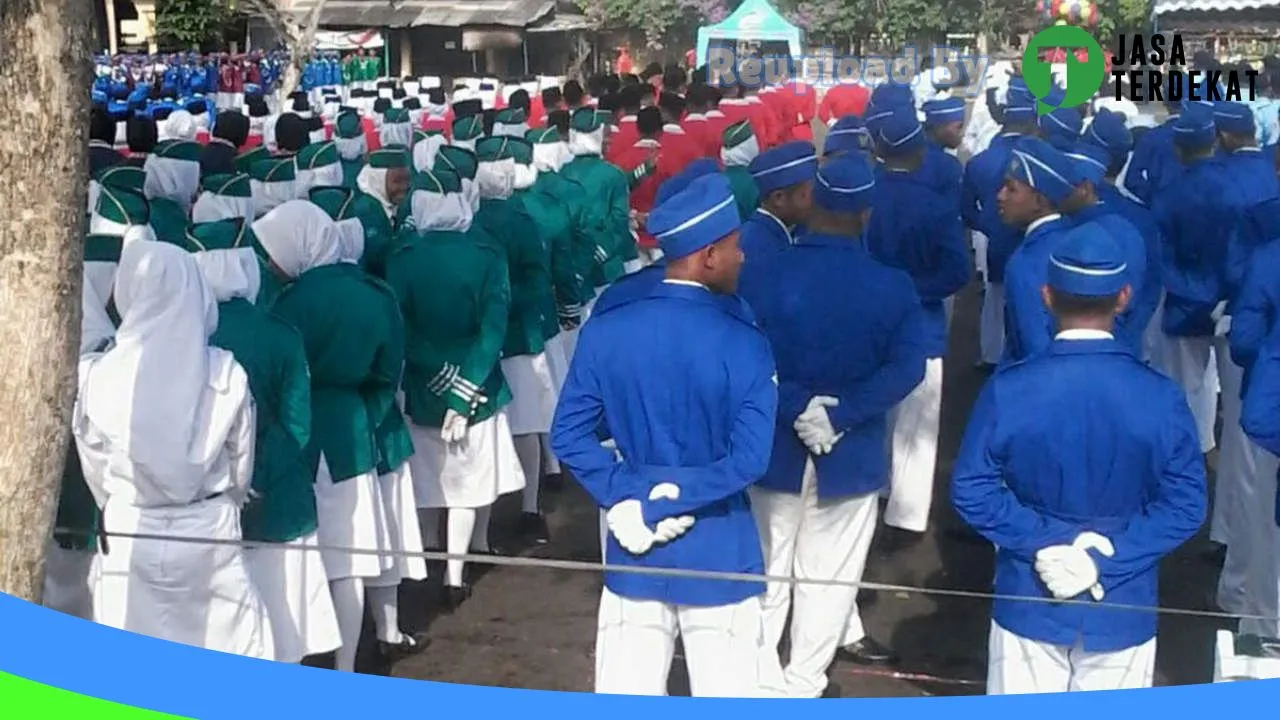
(357, 322)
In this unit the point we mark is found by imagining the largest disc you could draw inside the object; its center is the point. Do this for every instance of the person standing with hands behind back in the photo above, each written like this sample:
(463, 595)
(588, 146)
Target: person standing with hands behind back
(1082, 465)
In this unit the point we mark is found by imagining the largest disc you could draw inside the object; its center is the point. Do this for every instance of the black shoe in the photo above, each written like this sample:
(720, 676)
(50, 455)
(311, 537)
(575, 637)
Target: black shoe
(866, 652)
(533, 527)
(832, 690)
(410, 644)
(455, 596)
(552, 482)
(1216, 556)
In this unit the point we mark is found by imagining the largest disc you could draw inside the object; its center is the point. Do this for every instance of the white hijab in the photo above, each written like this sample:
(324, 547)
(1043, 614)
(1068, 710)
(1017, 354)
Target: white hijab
(465, 144)
(180, 125)
(523, 176)
(212, 207)
(152, 393)
(267, 196)
(172, 179)
(350, 240)
(269, 132)
(424, 153)
(233, 273)
(396, 134)
(373, 181)
(549, 157)
(431, 211)
(496, 180)
(583, 143)
(742, 154)
(299, 236)
(324, 176)
(350, 148)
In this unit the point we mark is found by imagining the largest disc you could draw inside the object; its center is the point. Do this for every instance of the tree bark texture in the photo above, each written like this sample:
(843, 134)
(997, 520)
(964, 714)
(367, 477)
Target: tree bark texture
(44, 103)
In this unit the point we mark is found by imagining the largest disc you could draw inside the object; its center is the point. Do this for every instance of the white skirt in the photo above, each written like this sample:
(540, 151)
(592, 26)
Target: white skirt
(399, 503)
(533, 393)
(185, 592)
(351, 516)
(295, 588)
(469, 474)
(558, 360)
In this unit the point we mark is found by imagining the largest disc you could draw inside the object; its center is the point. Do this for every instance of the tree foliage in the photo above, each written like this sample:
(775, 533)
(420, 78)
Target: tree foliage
(190, 23)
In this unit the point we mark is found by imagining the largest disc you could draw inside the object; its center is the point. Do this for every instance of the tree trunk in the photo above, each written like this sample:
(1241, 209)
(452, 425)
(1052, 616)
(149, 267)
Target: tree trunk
(44, 100)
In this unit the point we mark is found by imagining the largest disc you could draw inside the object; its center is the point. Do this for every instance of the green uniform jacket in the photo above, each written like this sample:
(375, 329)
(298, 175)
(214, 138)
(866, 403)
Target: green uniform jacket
(745, 193)
(283, 507)
(168, 220)
(606, 215)
(509, 224)
(348, 329)
(455, 298)
(77, 509)
(391, 434)
(246, 159)
(347, 203)
(554, 221)
(350, 171)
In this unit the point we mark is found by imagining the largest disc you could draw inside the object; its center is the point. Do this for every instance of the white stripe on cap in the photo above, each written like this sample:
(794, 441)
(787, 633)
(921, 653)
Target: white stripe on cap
(695, 219)
(1087, 159)
(858, 189)
(1094, 133)
(784, 166)
(1198, 128)
(905, 138)
(947, 111)
(1054, 119)
(1095, 272)
(1028, 160)
(1227, 114)
(849, 131)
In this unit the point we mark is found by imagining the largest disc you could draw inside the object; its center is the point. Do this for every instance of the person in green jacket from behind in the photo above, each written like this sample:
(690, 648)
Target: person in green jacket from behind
(348, 136)
(381, 186)
(350, 330)
(455, 298)
(282, 505)
(606, 212)
(739, 148)
(173, 179)
(318, 166)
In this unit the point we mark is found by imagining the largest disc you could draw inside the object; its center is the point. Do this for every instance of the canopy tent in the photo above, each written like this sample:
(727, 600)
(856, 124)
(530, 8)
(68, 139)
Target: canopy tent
(348, 39)
(753, 20)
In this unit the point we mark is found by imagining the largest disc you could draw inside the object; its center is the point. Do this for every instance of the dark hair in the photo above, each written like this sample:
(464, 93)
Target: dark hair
(650, 70)
(1066, 305)
(629, 98)
(607, 103)
(573, 93)
(559, 119)
(674, 78)
(630, 79)
(381, 105)
(102, 126)
(292, 133)
(595, 85)
(412, 103)
(551, 97)
(612, 84)
(671, 103)
(649, 121)
(701, 74)
(699, 95)
(141, 134)
(232, 126)
(436, 96)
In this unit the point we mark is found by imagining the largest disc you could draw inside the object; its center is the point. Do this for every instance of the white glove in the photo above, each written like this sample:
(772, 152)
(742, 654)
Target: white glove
(626, 522)
(1068, 570)
(814, 425)
(1223, 326)
(673, 527)
(454, 428)
(1218, 311)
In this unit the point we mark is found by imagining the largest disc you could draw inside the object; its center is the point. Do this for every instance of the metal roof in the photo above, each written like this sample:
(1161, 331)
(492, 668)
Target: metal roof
(1170, 6)
(412, 13)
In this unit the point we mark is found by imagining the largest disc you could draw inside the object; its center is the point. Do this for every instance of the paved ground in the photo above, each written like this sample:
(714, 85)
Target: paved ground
(534, 628)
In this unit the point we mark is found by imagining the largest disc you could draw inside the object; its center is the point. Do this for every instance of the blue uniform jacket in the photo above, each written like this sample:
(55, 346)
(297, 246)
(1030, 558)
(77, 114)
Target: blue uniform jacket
(707, 428)
(844, 325)
(1084, 437)
(1198, 216)
(1154, 163)
(1254, 173)
(763, 238)
(943, 172)
(1028, 327)
(1260, 412)
(983, 177)
(1254, 316)
(1132, 323)
(915, 229)
(1140, 217)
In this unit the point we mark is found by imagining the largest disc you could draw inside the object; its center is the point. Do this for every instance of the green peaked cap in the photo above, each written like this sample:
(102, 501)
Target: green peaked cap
(460, 160)
(390, 156)
(543, 136)
(395, 116)
(520, 150)
(587, 120)
(274, 170)
(123, 206)
(348, 126)
(245, 160)
(737, 133)
(468, 128)
(318, 155)
(227, 185)
(442, 182)
(184, 150)
(230, 234)
(510, 116)
(493, 148)
(103, 248)
(125, 177)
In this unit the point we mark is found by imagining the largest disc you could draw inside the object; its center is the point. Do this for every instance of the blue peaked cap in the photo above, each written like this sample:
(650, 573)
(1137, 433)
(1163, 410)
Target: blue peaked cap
(788, 164)
(699, 215)
(1088, 262)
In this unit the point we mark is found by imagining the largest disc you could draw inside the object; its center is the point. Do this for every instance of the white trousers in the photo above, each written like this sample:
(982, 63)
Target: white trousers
(806, 538)
(1253, 557)
(1018, 666)
(723, 645)
(1237, 460)
(1188, 361)
(915, 452)
(991, 324)
(69, 578)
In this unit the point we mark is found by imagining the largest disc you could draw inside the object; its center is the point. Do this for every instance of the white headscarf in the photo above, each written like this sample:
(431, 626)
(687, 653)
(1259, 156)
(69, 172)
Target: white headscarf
(584, 143)
(496, 179)
(269, 132)
(373, 181)
(523, 176)
(464, 144)
(400, 133)
(180, 125)
(350, 240)
(510, 130)
(471, 193)
(299, 236)
(350, 148)
(742, 154)
(172, 179)
(269, 195)
(324, 176)
(202, 120)
(424, 153)
(152, 393)
(233, 273)
(549, 157)
(430, 211)
(212, 207)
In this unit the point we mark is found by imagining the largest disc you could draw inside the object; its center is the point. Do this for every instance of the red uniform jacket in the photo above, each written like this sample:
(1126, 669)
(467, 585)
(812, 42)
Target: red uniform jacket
(739, 110)
(841, 100)
(699, 130)
(643, 194)
(717, 123)
(444, 123)
(678, 149)
(622, 139)
(804, 106)
(371, 140)
(226, 78)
